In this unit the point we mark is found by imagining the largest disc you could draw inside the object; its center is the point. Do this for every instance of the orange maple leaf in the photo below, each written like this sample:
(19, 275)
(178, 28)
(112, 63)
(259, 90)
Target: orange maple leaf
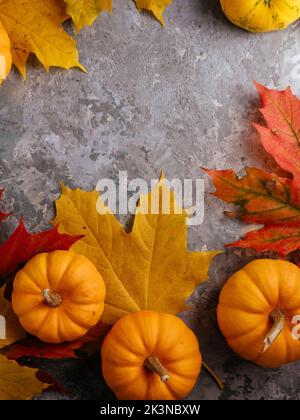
(263, 197)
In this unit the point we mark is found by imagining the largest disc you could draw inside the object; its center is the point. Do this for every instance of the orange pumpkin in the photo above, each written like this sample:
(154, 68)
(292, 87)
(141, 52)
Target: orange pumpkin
(5, 53)
(151, 356)
(258, 312)
(58, 296)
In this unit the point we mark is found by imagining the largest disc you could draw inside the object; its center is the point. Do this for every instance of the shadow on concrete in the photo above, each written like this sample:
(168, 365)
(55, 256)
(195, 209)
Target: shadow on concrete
(213, 8)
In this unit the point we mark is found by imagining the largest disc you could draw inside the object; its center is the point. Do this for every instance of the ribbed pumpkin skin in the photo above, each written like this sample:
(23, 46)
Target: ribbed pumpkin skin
(133, 339)
(246, 302)
(262, 15)
(78, 282)
(5, 51)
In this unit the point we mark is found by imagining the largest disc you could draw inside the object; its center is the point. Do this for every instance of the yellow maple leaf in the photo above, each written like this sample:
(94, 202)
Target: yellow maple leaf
(10, 329)
(157, 7)
(84, 12)
(148, 268)
(34, 26)
(18, 382)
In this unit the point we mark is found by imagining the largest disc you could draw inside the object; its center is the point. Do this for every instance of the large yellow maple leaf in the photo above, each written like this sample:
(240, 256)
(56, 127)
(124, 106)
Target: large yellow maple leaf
(34, 26)
(148, 268)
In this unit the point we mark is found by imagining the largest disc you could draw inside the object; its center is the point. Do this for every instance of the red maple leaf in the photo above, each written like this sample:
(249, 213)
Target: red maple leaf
(264, 197)
(32, 347)
(281, 136)
(21, 246)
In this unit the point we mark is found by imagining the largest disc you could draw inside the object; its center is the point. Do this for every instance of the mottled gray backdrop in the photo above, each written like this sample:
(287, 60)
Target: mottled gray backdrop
(176, 99)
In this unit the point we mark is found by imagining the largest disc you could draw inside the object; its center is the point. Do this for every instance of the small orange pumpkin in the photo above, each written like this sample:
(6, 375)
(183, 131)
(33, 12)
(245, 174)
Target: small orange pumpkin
(151, 356)
(58, 296)
(5, 53)
(258, 312)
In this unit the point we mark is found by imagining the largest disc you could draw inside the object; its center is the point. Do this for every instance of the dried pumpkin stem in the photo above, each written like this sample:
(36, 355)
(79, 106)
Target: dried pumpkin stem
(214, 376)
(52, 299)
(154, 365)
(279, 319)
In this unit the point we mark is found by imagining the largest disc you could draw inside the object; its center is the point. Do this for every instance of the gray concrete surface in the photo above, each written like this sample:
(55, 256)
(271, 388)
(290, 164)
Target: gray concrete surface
(176, 98)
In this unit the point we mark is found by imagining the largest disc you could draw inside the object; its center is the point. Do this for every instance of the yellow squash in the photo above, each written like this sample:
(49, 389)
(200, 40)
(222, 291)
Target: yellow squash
(5, 53)
(262, 15)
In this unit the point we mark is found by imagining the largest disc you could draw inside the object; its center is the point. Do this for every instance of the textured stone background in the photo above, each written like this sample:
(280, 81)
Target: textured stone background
(177, 98)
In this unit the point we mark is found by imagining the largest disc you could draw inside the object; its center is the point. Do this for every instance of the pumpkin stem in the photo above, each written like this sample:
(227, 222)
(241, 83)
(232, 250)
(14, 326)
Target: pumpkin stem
(154, 365)
(279, 319)
(214, 376)
(52, 299)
